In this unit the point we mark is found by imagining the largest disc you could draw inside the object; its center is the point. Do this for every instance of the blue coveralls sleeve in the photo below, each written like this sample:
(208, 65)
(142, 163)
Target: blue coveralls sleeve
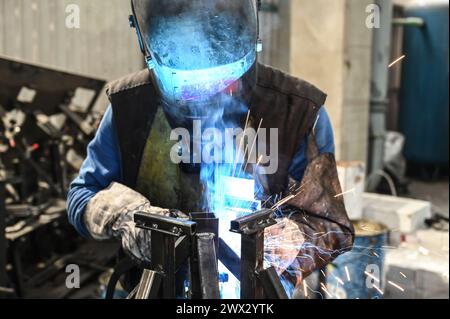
(325, 142)
(101, 167)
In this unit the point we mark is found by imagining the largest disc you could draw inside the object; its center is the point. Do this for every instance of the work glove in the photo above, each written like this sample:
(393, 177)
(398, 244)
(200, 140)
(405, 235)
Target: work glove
(109, 215)
(315, 228)
(282, 244)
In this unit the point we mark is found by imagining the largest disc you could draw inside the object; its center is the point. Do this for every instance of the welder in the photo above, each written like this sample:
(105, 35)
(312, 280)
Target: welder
(199, 53)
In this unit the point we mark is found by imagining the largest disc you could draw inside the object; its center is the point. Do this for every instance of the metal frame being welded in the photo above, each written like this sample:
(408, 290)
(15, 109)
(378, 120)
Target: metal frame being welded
(256, 282)
(174, 243)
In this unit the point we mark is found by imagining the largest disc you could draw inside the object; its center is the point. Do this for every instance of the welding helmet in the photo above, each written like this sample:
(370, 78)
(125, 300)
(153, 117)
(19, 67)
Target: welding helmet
(198, 49)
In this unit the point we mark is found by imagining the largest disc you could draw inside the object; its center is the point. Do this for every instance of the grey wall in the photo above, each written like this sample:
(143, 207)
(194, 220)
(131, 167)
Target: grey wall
(104, 46)
(275, 33)
(331, 47)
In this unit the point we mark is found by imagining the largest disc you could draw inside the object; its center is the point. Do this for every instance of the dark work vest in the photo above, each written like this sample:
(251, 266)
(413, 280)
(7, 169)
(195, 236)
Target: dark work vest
(282, 101)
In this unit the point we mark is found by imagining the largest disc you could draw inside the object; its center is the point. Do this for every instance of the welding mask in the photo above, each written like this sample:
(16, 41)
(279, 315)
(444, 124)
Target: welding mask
(198, 49)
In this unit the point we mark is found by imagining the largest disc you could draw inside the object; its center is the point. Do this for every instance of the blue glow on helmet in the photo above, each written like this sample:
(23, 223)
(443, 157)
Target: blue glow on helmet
(179, 85)
(197, 48)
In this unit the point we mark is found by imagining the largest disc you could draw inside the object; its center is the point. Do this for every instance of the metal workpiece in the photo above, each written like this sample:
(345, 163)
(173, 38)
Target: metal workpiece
(163, 261)
(256, 282)
(254, 222)
(168, 225)
(252, 262)
(174, 242)
(208, 269)
(204, 277)
(171, 242)
(149, 285)
(207, 223)
(273, 288)
(182, 251)
(180, 254)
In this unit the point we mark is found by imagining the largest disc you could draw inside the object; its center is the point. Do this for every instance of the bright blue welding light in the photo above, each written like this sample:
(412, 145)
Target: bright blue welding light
(199, 84)
(229, 197)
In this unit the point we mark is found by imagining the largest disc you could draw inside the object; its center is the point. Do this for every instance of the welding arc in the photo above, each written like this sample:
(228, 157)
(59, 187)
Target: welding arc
(283, 201)
(253, 144)
(286, 199)
(240, 145)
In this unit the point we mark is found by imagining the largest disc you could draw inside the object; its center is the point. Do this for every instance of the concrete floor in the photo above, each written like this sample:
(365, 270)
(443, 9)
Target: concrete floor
(435, 192)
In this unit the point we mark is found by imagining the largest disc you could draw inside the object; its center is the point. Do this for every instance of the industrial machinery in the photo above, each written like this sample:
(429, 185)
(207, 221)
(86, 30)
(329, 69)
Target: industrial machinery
(47, 121)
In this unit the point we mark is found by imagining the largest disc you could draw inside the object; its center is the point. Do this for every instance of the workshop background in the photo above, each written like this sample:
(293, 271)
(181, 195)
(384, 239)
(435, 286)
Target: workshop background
(388, 101)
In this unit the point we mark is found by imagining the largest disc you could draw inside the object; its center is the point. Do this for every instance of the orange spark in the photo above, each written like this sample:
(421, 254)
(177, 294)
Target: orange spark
(397, 60)
(396, 286)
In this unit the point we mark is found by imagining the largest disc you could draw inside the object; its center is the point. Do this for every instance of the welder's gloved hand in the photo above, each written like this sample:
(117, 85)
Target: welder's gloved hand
(109, 215)
(319, 211)
(282, 244)
(316, 227)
